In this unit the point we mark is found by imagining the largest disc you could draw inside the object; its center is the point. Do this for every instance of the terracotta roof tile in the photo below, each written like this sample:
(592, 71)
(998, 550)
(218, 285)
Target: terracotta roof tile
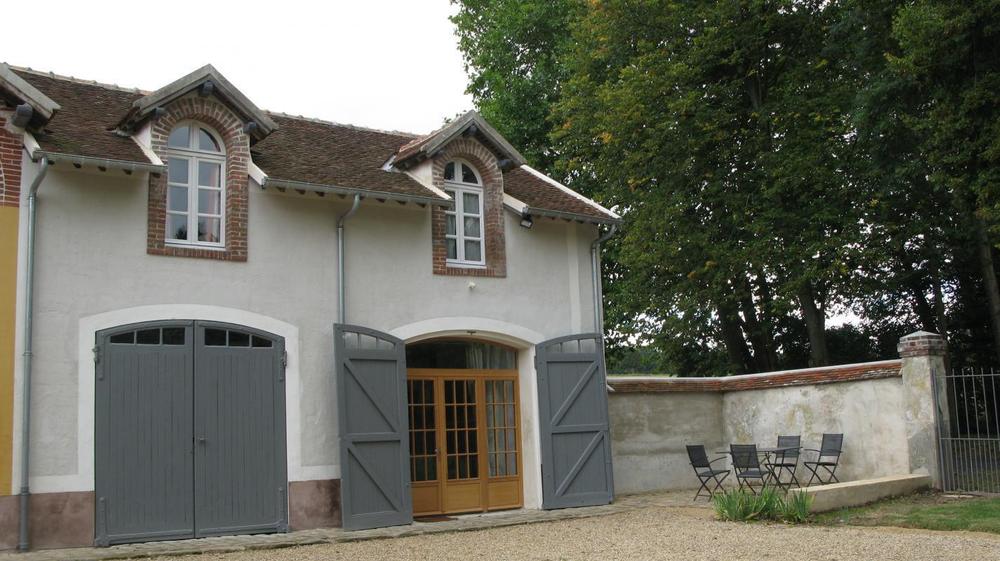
(84, 124)
(321, 153)
(538, 193)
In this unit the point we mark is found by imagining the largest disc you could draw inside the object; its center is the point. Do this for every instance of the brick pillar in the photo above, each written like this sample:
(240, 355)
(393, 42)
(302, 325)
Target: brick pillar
(923, 355)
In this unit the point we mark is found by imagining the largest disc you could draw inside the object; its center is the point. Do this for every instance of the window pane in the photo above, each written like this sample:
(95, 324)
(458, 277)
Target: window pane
(215, 337)
(261, 342)
(452, 249)
(147, 337)
(239, 339)
(209, 201)
(450, 224)
(177, 170)
(207, 142)
(470, 203)
(179, 137)
(177, 199)
(177, 226)
(173, 335)
(208, 230)
(128, 338)
(468, 176)
(208, 174)
(473, 251)
(449, 171)
(472, 226)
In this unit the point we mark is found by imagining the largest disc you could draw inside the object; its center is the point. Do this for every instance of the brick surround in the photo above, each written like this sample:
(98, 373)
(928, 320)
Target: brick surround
(206, 110)
(493, 225)
(922, 343)
(10, 165)
(806, 377)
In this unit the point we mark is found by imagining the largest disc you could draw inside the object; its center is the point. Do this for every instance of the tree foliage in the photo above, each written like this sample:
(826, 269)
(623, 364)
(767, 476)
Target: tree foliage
(776, 162)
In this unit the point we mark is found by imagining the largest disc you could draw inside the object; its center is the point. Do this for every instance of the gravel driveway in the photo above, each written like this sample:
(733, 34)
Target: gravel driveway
(651, 533)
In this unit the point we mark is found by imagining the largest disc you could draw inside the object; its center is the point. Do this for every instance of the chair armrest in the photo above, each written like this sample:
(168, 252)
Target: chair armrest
(717, 459)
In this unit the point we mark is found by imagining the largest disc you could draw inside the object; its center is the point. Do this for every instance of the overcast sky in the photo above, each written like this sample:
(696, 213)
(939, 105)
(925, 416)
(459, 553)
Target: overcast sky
(376, 63)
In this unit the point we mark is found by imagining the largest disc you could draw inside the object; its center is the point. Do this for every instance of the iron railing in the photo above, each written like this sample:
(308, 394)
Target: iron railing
(969, 430)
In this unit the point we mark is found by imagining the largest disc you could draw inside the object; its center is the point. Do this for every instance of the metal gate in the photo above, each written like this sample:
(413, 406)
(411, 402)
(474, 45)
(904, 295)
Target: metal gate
(573, 422)
(190, 432)
(969, 430)
(373, 428)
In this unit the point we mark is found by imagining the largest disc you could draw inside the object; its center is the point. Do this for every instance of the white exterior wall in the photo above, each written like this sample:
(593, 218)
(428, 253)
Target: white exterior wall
(93, 272)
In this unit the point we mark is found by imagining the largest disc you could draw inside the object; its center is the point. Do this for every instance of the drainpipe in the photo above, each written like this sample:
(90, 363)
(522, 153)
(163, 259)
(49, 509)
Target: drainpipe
(341, 289)
(22, 542)
(595, 258)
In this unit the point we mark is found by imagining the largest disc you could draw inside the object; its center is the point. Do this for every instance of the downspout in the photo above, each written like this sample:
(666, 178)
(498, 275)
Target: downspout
(22, 542)
(341, 289)
(595, 258)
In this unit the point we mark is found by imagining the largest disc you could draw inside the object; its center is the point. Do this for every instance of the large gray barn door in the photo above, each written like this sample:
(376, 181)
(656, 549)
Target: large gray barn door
(573, 422)
(239, 431)
(371, 414)
(190, 432)
(143, 471)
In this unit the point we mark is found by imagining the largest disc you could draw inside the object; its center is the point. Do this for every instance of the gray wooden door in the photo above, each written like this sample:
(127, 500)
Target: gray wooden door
(239, 430)
(373, 428)
(143, 460)
(573, 422)
(190, 432)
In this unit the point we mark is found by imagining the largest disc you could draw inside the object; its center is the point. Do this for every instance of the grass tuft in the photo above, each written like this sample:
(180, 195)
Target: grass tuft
(742, 506)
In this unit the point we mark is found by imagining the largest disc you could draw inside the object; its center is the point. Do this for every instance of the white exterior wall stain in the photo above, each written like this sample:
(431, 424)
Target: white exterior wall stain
(91, 259)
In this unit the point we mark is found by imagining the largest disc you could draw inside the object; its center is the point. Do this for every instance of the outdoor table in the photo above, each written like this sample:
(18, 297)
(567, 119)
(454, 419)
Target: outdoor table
(767, 452)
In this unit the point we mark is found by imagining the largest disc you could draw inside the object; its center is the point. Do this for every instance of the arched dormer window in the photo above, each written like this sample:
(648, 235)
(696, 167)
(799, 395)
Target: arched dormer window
(196, 188)
(464, 223)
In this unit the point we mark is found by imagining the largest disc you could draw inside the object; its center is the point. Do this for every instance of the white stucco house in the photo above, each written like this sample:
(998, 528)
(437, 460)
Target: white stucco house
(232, 320)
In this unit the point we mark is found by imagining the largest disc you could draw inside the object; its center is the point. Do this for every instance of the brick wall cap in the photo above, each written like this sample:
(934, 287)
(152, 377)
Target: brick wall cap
(764, 380)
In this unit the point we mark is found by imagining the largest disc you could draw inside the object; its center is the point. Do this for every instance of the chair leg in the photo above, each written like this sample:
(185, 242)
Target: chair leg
(718, 485)
(704, 487)
(814, 476)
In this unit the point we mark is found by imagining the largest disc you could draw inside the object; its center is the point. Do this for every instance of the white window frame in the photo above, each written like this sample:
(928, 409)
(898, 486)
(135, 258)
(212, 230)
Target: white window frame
(456, 188)
(194, 157)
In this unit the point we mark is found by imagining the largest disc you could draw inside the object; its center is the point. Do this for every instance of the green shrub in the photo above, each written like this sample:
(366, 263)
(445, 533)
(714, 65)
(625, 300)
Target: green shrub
(743, 506)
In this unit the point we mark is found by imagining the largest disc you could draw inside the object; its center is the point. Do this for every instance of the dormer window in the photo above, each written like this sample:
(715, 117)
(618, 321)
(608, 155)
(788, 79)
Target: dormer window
(196, 163)
(464, 223)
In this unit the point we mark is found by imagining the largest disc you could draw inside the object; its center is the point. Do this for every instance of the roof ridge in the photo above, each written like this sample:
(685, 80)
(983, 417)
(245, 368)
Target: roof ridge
(345, 125)
(76, 80)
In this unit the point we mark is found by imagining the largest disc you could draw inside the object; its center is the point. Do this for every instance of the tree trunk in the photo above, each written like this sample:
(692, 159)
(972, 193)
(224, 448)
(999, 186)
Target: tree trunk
(985, 251)
(939, 311)
(758, 337)
(732, 337)
(815, 325)
(764, 293)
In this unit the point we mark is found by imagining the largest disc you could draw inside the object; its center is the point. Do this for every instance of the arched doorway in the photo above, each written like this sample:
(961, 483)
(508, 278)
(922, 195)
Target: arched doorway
(464, 426)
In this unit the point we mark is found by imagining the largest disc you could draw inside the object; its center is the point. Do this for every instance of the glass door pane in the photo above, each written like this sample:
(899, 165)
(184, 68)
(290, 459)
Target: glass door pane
(501, 428)
(423, 445)
(461, 444)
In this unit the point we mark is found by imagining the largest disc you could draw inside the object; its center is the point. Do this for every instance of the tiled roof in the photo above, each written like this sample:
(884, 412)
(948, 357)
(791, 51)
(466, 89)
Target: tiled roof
(541, 194)
(84, 124)
(308, 151)
(299, 151)
(804, 377)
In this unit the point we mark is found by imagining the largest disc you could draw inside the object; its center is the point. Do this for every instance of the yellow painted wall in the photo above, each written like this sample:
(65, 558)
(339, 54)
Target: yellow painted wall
(8, 303)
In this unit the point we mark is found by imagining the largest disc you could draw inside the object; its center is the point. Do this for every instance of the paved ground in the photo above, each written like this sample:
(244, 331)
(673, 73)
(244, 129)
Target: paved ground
(656, 526)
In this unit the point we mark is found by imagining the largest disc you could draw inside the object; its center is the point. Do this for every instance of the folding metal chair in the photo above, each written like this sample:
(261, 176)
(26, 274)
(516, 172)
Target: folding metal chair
(746, 464)
(704, 471)
(828, 459)
(787, 461)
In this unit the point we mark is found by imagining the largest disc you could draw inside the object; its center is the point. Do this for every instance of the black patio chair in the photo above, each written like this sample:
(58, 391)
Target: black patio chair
(827, 459)
(704, 471)
(746, 464)
(787, 461)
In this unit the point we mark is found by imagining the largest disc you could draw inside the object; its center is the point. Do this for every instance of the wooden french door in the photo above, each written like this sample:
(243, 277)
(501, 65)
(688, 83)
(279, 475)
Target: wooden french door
(464, 440)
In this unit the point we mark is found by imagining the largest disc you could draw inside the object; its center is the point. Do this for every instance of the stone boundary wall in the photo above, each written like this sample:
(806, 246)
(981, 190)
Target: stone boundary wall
(884, 409)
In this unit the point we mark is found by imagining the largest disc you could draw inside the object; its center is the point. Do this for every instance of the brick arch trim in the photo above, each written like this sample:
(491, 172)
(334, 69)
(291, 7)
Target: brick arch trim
(493, 218)
(209, 111)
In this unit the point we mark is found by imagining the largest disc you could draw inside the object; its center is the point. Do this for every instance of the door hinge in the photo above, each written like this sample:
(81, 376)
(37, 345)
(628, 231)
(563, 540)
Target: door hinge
(284, 359)
(97, 354)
